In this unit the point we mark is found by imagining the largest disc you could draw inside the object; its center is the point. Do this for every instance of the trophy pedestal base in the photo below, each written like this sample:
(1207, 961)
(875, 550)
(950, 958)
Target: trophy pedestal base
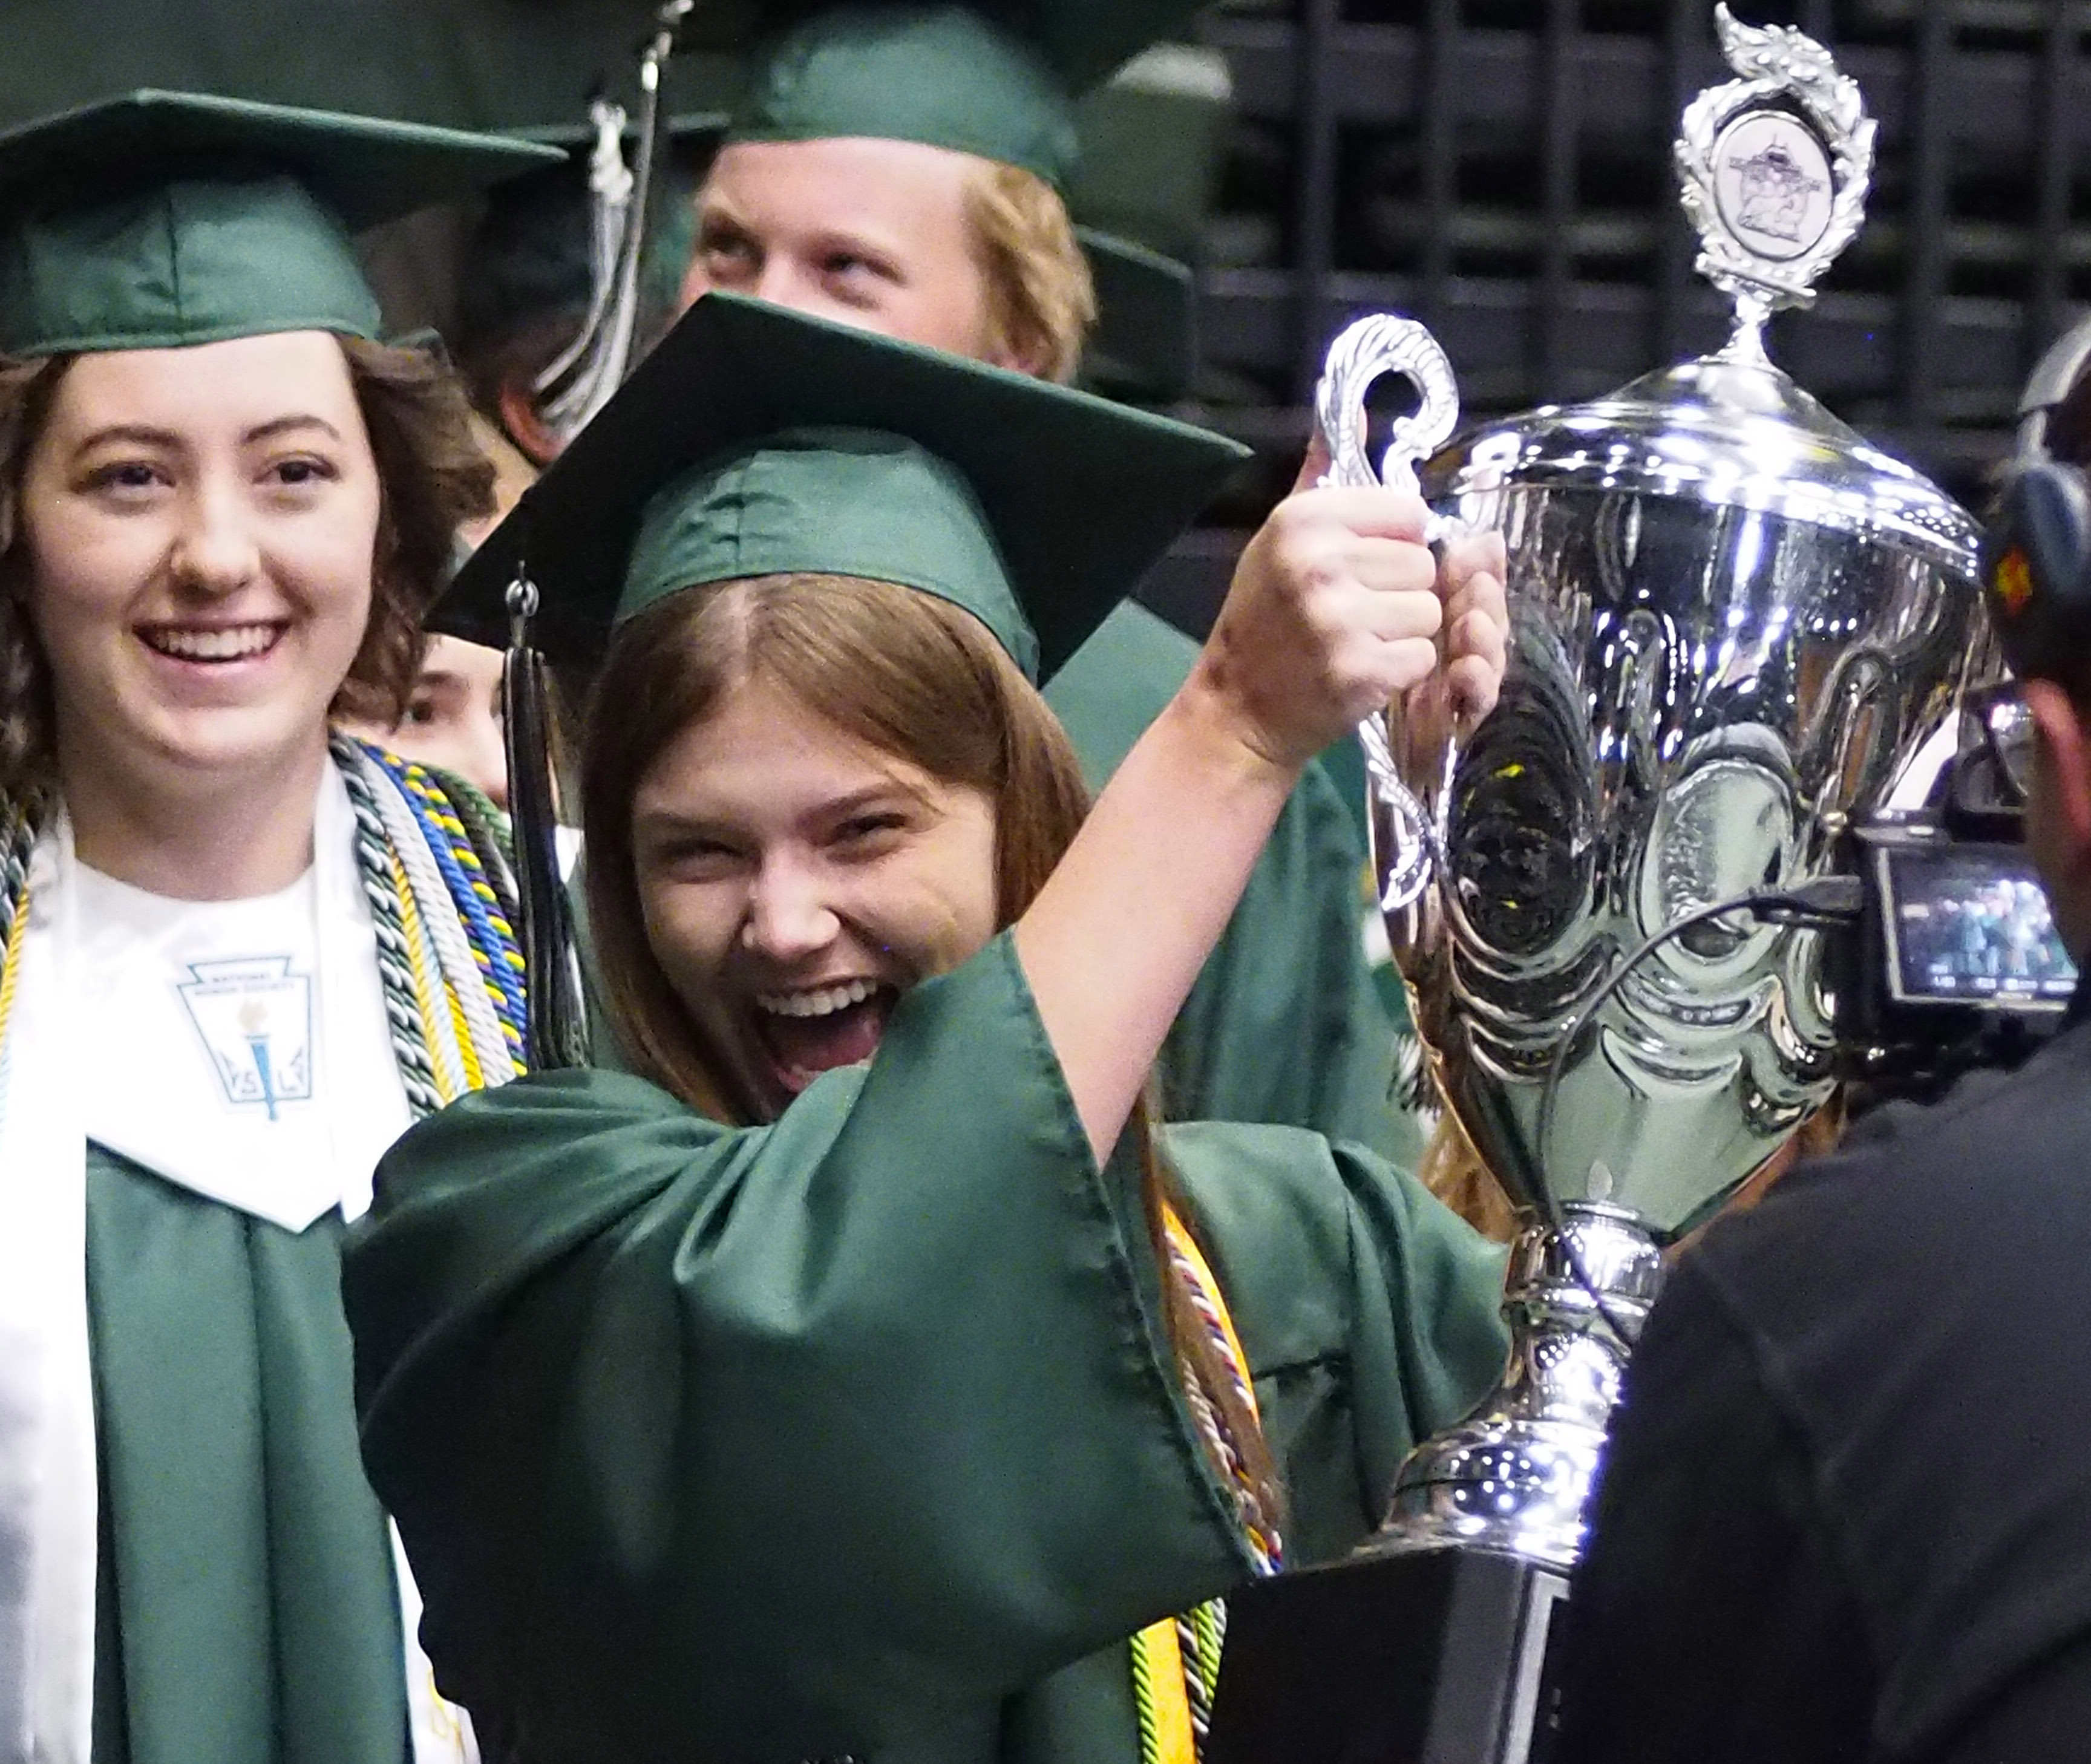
(1429, 1657)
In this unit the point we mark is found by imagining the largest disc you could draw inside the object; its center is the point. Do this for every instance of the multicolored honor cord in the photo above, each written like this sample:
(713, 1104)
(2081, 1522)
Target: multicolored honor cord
(1176, 1662)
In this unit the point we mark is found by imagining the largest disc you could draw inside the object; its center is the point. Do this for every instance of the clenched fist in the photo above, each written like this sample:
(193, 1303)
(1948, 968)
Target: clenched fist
(1334, 613)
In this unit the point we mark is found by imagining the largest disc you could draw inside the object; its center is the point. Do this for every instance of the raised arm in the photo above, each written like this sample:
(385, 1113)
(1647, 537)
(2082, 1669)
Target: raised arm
(1334, 612)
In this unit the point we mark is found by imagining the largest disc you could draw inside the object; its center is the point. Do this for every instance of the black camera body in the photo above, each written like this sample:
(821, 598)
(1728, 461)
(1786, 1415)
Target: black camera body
(1954, 962)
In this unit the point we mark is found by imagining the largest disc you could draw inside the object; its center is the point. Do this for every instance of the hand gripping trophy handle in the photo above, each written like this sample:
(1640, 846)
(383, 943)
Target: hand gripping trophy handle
(1430, 1640)
(1362, 353)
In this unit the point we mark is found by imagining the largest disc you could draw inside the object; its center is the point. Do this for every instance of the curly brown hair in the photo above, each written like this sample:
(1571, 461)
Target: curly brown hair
(431, 477)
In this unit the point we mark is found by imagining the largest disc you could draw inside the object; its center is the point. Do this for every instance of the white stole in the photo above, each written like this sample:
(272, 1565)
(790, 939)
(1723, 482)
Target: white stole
(48, 1511)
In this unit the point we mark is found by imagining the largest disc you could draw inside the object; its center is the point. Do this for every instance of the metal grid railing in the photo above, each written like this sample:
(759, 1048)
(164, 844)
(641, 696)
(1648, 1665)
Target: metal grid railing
(1501, 170)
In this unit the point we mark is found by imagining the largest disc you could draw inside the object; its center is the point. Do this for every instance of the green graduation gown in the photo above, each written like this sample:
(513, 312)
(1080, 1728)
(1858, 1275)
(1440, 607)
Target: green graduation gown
(855, 1436)
(245, 1611)
(1290, 973)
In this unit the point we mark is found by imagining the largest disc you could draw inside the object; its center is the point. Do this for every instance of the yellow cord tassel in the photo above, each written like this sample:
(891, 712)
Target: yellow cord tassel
(10, 961)
(442, 1056)
(1160, 1695)
(1158, 1684)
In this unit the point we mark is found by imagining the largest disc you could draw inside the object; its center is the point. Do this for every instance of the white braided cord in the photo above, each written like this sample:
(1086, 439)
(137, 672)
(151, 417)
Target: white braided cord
(403, 842)
(453, 953)
(388, 827)
(403, 1010)
(467, 968)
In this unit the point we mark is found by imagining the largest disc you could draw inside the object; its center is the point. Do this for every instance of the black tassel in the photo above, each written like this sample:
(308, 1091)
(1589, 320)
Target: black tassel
(557, 1034)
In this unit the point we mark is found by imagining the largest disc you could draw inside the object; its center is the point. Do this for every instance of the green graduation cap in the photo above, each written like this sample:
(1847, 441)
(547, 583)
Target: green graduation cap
(998, 78)
(757, 440)
(159, 220)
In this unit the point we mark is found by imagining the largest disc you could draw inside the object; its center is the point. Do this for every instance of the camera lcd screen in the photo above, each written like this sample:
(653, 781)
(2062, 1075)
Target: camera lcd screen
(1970, 925)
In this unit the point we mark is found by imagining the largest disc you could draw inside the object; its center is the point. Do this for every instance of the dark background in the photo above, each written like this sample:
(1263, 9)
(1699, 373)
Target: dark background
(1501, 168)
(1502, 171)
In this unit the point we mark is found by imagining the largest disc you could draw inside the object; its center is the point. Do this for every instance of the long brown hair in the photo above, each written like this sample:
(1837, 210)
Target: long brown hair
(911, 676)
(431, 477)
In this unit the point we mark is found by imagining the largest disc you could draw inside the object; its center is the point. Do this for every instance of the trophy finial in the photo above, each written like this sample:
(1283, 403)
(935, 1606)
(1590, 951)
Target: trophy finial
(1774, 168)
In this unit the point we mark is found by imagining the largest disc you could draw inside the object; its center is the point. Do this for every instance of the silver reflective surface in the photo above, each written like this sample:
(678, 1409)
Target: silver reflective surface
(1516, 1474)
(1730, 431)
(1733, 623)
(1708, 675)
(1375, 346)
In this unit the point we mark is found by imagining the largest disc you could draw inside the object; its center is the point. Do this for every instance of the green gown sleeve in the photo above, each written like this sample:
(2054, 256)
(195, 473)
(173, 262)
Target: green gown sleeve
(1289, 972)
(1370, 1312)
(1371, 1316)
(808, 1440)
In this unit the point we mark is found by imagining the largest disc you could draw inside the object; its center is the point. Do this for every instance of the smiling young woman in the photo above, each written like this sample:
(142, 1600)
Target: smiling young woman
(239, 954)
(202, 560)
(826, 785)
(875, 1375)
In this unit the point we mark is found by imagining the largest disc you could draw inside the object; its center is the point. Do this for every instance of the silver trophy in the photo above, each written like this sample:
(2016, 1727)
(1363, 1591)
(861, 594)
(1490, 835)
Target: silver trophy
(1732, 622)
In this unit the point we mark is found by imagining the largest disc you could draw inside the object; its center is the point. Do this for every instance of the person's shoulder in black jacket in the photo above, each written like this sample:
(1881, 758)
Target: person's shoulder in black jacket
(1846, 1512)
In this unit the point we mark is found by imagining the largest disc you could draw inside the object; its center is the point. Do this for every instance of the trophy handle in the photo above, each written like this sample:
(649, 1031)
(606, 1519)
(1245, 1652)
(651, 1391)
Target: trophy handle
(1362, 353)
(1416, 840)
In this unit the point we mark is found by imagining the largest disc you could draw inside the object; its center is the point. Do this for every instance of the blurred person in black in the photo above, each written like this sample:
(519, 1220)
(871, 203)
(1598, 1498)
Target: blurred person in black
(1846, 1510)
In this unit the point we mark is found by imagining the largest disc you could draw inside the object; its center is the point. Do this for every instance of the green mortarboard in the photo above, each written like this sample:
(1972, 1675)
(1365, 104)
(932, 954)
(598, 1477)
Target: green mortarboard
(1153, 137)
(941, 75)
(160, 219)
(1147, 316)
(757, 440)
(999, 79)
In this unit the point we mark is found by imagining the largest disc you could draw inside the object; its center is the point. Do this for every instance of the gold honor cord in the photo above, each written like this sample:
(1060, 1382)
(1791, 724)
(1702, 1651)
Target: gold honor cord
(1176, 1662)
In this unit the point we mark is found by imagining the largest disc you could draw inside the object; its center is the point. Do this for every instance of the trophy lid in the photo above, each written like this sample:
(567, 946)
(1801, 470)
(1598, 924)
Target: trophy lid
(1727, 433)
(1773, 168)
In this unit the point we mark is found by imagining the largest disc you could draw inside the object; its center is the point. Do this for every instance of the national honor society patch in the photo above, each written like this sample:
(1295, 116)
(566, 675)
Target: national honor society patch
(255, 1019)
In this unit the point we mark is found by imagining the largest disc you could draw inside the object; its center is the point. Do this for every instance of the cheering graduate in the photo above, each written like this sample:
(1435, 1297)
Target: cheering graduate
(900, 167)
(858, 1377)
(240, 954)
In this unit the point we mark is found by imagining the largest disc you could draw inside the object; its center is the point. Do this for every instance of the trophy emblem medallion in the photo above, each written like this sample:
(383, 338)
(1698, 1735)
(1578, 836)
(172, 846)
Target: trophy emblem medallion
(1771, 184)
(1774, 167)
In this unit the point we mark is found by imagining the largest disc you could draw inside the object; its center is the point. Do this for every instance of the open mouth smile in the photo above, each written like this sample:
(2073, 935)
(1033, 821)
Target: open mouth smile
(212, 645)
(811, 1029)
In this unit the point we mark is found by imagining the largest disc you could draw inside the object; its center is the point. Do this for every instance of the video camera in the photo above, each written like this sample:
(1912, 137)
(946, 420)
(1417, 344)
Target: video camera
(1954, 962)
